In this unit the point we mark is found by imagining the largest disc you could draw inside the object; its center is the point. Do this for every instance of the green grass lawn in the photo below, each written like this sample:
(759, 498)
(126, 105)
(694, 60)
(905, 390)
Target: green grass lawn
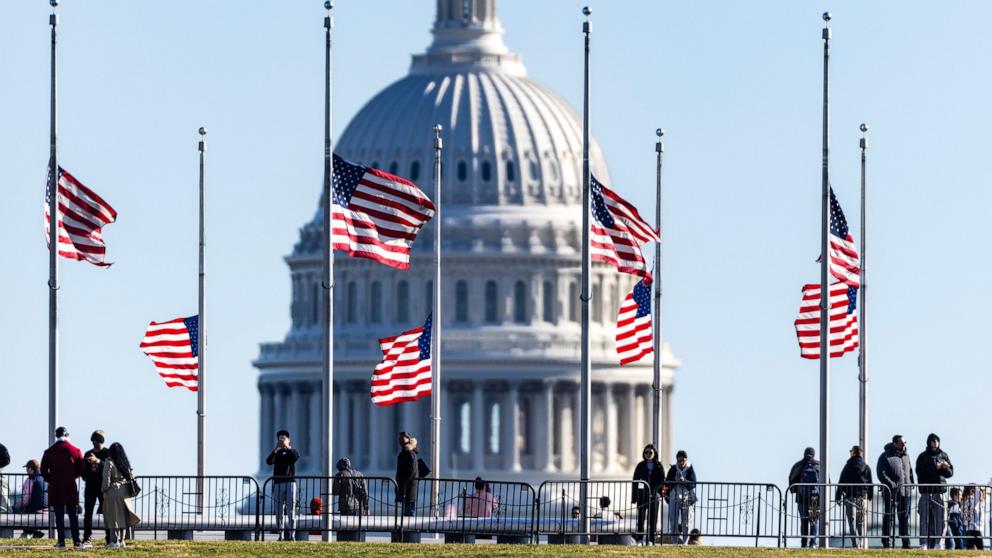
(384, 550)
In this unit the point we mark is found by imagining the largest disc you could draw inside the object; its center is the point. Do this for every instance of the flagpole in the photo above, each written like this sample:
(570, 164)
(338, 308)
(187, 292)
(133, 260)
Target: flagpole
(436, 324)
(657, 387)
(825, 287)
(53, 248)
(862, 325)
(327, 420)
(585, 387)
(201, 345)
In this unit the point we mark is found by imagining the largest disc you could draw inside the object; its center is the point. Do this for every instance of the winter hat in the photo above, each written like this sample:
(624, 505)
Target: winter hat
(933, 437)
(681, 454)
(283, 433)
(809, 452)
(98, 437)
(344, 463)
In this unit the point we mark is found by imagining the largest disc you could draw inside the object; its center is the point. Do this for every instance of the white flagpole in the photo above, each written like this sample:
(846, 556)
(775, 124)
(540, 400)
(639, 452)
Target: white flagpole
(825, 292)
(585, 382)
(201, 344)
(657, 387)
(327, 454)
(862, 325)
(436, 324)
(53, 249)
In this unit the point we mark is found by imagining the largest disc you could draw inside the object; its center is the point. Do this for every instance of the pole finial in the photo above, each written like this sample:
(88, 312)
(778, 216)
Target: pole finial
(438, 128)
(863, 127)
(826, 17)
(202, 131)
(586, 11)
(53, 3)
(328, 5)
(659, 132)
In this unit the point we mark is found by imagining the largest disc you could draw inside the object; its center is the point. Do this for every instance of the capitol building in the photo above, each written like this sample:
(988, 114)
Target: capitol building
(511, 205)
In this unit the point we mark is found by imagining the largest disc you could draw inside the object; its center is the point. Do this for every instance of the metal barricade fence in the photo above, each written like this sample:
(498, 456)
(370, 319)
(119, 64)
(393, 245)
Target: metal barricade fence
(610, 506)
(926, 511)
(15, 514)
(720, 509)
(180, 505)
(854, 513)
(350, 506)
(472, 508)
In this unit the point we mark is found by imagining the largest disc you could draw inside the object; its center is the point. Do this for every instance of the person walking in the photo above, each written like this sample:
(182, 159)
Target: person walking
(349, 487)
(61, 465)
(680, 495)
(93, 475)
(34, 496)
(407, 473)
(854, 491)
(4, 488)
(283, 460)
(895, 471)
(117, 485)
(933, 468)
(803, 482)
(645, 494)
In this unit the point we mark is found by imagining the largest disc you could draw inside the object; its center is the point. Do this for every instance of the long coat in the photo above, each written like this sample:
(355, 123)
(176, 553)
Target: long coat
(117, 510)
(61, 465)
(406, 473)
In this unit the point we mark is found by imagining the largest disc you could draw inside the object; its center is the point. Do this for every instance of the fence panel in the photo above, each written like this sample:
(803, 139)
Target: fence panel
(15, 508)
(610, 506)
(720, 509)
(854, 512)
(190, 503)
(465, 507)
(350, 507)
(926, 511)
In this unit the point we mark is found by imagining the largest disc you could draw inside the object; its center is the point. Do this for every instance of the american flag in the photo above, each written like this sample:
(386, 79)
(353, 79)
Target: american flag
(843, 335)
(81, 216)
(843, 253)
(618, 232)
(375, 214)
(634, 335)
(405, 371)
(173, 347)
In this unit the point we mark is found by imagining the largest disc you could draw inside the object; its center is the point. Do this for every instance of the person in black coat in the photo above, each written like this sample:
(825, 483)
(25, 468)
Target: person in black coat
(933, 468)
(803, 477)
(4, 489)
(93, 475)
(407, 473)
(855, 491)
(652, 473)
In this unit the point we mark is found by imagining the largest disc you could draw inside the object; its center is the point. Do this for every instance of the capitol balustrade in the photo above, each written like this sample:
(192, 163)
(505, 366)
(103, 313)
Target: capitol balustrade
(557, 512)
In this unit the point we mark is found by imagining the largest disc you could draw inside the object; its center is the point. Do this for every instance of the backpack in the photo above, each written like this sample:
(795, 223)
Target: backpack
(808, 476)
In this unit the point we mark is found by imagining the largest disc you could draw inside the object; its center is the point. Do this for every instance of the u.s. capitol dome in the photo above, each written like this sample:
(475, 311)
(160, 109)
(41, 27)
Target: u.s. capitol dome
(511, 199)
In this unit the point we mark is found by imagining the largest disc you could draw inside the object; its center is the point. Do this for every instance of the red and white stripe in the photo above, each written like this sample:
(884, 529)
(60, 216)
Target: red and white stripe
(168, 345)
(843, 336)
(402, 375)
(382, 220)
(620, 246)
(81, 216)
(844, 264)
(635, 338)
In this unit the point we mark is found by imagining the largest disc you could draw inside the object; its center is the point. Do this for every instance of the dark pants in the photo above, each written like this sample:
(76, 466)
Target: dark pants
(809, 519)
(931, 507)
(647, 512)
(896, 507)
(60, 512)
(92, 499)
(955, 525)
(974, 540)
(409, 508)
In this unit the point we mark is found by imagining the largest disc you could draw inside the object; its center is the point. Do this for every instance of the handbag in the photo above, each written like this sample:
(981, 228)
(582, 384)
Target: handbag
(133, 488)
(423, 470)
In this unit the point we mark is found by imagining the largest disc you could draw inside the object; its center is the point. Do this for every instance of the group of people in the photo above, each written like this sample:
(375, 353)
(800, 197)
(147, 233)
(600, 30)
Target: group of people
(962, 528)
(52, 484)
(677, 488)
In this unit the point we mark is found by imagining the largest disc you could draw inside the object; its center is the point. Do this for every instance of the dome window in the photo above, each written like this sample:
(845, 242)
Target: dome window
(553, 170)
(535, 171)
(511, 171)
(462, 171)
(394, 167)
(414, 171)
(486, 171)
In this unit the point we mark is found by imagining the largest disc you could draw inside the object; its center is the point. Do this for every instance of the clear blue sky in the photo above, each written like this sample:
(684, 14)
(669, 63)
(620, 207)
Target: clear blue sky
(736, 86)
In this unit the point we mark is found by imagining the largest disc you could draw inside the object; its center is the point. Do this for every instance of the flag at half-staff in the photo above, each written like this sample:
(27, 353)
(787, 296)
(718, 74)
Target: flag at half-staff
(81, 217)
(405, 371)
(634, 336)
(844, 264)
(173, 347)
(618, 231)
(843, 335)
(375, 214)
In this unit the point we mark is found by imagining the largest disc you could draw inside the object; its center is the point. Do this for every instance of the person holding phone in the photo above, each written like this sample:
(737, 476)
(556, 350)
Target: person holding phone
(933, 468)
(283, 460)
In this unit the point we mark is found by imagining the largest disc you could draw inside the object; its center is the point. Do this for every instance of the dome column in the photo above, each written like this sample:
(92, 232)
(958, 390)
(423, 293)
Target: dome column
(476, 426)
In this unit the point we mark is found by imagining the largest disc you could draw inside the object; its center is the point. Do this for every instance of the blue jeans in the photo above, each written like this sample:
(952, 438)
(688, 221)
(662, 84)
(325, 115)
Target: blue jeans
(809, 520)
(896, 507)
(955, 540)
(60, 512)
(284, 498)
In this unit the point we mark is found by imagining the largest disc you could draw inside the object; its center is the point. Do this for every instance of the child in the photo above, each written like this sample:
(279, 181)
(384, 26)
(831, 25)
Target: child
(955, 521)
(973, 508)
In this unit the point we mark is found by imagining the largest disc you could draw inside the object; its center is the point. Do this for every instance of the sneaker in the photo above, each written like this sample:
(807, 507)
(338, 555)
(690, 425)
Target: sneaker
(60, 544)
(84, 545)
(38, 535)
(113, 545)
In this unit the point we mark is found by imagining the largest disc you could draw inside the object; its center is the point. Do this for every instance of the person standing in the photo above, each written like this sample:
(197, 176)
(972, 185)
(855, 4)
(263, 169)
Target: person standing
(481, 502)
(93, 475)
(933, 468)
(645, 494)
(407, 473)
(283, 460)
(895, 471)
(61, 465)
(349, 487)
(973, 510)
(117, 479)
(854, 491)
(34, 496)
(803, 482)
(680, 495)
(4, 489)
